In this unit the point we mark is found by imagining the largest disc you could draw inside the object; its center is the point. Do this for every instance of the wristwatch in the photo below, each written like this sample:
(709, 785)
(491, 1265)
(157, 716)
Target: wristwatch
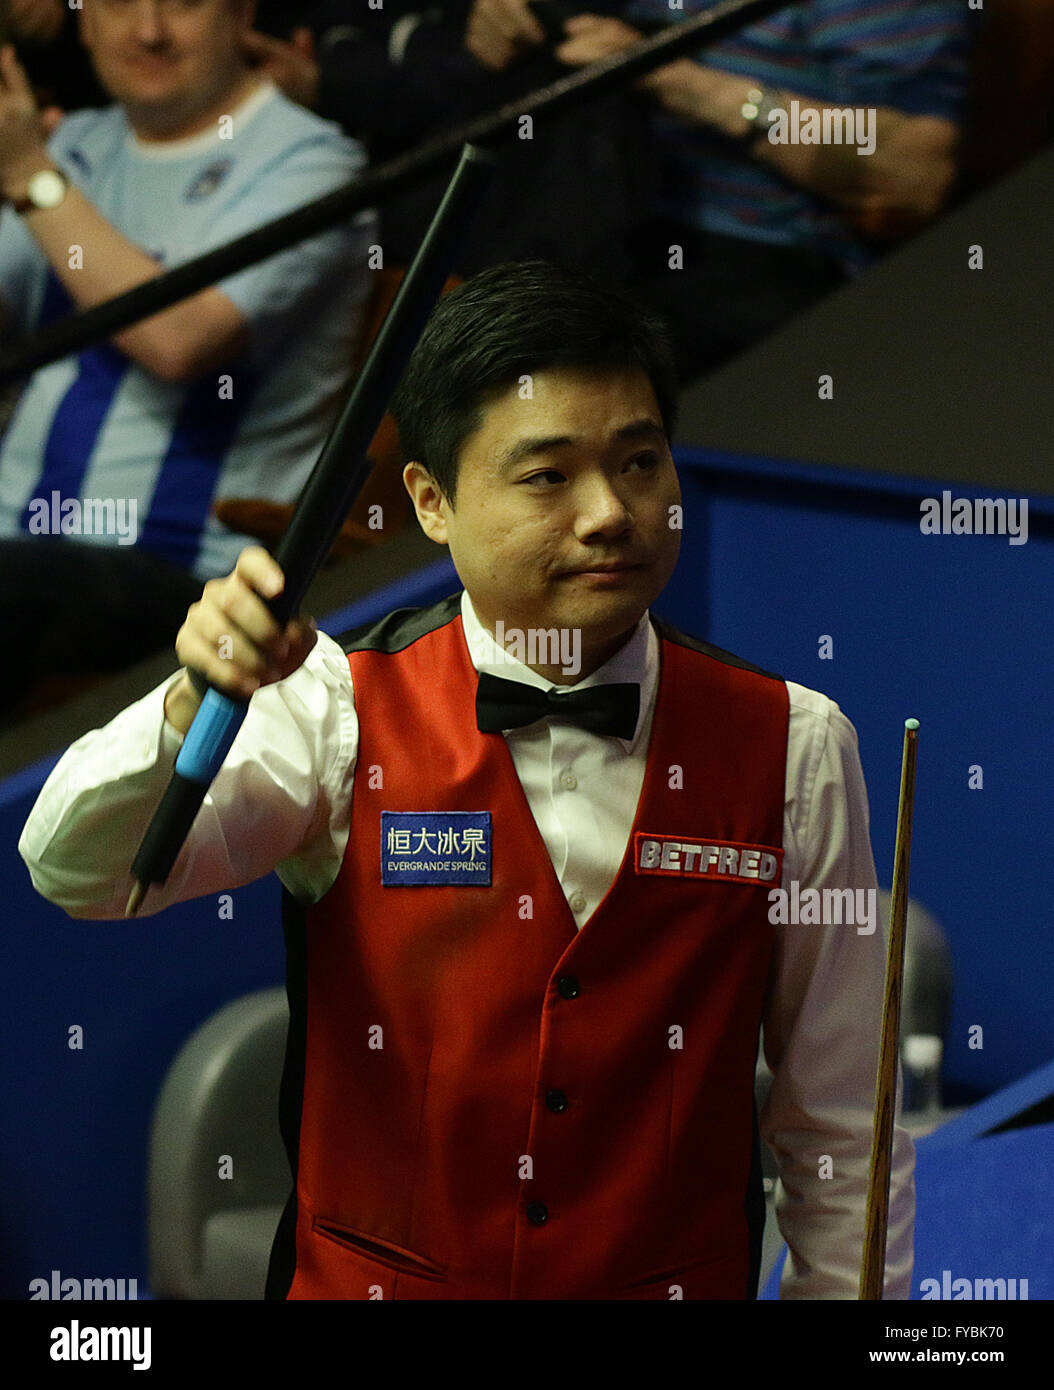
(757, 109)
(45, 189)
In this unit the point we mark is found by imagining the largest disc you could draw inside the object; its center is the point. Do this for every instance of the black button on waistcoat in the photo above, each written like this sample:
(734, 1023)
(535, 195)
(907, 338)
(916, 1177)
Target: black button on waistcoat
(556, 1101)
(537, 1213)
(568, 986)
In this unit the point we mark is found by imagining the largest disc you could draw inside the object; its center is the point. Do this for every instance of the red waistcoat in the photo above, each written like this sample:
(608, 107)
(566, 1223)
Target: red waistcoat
(479, 1100)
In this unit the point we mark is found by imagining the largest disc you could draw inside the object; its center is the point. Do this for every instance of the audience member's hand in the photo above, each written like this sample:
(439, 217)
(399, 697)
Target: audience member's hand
(499, 31)
(290, 66)
(231, 637)
(51, 118)
(40, 21)
(591, 37)
(22, 131)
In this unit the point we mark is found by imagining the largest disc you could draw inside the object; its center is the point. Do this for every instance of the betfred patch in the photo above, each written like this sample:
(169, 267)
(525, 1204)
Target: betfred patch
(724, 861)
(430, 847)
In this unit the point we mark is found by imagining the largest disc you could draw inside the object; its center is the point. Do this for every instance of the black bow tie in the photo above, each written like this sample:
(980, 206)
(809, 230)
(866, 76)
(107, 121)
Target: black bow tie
(602, 709)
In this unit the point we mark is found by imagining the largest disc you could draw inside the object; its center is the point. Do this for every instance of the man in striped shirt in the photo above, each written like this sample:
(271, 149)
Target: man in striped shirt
(113, 457)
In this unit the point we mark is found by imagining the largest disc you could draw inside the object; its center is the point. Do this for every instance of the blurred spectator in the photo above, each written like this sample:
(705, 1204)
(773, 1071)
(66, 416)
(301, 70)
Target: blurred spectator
(768, 228)
(572, 193)
(765, 229)
(46, 36)
(112, 459)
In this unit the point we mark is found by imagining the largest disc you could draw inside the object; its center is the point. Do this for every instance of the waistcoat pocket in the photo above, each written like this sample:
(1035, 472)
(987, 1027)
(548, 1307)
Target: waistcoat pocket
(689, 1273)
(382, 1252)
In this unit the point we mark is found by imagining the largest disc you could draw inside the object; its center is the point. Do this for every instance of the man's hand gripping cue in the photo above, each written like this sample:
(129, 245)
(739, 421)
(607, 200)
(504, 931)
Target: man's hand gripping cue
(231, 637)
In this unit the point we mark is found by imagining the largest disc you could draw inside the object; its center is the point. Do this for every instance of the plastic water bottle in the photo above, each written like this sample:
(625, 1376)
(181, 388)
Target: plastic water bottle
(921, 1059)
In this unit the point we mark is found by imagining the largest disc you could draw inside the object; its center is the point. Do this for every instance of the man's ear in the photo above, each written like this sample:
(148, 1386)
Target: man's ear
(427, 497)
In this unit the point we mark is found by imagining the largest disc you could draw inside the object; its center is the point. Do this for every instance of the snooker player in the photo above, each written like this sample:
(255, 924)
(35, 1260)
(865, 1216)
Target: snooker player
(530, 945)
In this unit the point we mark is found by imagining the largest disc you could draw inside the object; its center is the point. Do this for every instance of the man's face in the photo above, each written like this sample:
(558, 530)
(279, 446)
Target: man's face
(166, 59)
(579, 475)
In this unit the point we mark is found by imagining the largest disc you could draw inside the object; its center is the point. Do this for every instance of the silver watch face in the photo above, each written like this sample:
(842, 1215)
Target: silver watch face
(46, 189)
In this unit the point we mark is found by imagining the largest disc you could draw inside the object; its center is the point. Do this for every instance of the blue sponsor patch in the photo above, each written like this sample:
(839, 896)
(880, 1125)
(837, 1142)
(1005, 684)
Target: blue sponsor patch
(427, 847)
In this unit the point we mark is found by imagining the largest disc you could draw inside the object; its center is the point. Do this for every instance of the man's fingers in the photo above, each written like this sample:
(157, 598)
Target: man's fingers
(498, 30)
(518, 22)
(242, 608)
(14, 74)
(247, 612)
(52, 117)
(229, 658)
(304, 42)
(258, 45)
(257, 568)
(231, 635)
(225, 656)
(493, 21)
(485, 41)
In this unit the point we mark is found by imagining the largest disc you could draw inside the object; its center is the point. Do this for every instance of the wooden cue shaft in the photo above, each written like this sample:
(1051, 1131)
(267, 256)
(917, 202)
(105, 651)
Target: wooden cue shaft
(872, 1272)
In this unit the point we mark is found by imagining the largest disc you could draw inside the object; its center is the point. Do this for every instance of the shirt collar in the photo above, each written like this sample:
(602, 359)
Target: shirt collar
(637, 660)
(190, 145)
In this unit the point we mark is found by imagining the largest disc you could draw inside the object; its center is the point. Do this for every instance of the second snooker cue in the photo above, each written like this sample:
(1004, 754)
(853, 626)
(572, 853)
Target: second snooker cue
(873, 1269)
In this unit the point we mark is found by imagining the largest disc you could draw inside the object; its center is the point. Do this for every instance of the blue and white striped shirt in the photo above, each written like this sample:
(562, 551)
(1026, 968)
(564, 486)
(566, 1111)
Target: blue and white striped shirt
(98, 425)
(910, 55)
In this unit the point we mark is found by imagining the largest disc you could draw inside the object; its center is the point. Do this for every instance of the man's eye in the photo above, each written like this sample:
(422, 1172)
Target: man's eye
(648, 459)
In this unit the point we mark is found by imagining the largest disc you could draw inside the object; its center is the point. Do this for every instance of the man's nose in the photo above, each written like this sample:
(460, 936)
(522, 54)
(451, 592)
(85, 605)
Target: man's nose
(151, 22)
(601, 509)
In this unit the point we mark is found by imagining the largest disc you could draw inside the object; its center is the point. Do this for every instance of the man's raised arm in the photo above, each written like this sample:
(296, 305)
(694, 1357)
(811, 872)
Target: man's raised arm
(281, 799)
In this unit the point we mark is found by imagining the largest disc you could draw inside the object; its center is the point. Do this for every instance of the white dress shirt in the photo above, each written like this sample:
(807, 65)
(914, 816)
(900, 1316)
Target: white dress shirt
(282, 801)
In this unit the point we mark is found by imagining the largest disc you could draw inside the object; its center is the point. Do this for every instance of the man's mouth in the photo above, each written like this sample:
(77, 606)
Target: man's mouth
(612, 567)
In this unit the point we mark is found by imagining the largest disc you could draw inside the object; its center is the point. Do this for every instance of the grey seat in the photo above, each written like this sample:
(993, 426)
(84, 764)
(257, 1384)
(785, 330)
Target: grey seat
(209, 1235)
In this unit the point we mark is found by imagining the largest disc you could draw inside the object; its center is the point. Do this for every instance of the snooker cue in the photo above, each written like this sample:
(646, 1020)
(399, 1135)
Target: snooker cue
(339, 475)
(873, 1269)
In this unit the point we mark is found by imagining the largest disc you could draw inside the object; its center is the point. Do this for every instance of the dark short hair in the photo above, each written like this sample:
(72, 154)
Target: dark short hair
(513, 319)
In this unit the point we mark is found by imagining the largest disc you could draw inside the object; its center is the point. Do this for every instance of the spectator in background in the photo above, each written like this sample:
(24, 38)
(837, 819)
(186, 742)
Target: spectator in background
(397, 76)
(46, 35)
(113, 458)
(767, 229)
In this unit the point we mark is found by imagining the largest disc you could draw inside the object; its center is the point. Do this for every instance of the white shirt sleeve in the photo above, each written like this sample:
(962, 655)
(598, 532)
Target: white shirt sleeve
(281, 800)
(822, 1030)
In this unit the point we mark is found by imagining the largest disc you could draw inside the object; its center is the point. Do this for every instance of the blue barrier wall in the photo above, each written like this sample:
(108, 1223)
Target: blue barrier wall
(957, 631)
